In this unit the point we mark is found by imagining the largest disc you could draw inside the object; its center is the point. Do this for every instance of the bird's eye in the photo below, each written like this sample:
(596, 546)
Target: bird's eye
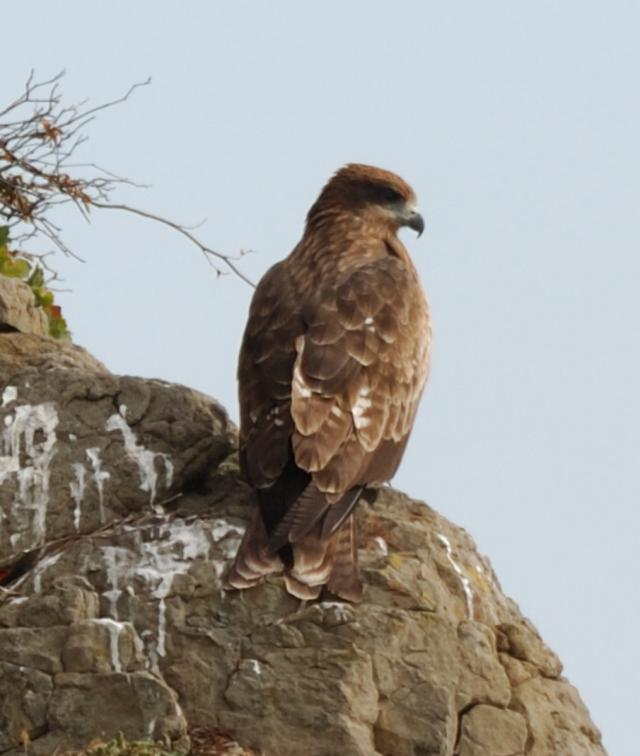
(390, 195)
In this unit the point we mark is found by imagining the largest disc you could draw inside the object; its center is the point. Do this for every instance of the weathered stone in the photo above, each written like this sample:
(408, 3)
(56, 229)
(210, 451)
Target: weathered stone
(70, 600)
(18, 310)
(33, 648)
(416, 719)
(121, 499)
(487, 731)
(556, 718)
(23, 355)
(102, 645)
(86, 706)
(97, 449)
(337, 688)
(24, 700)
(523, 642)
(517, 671)
(483, 677)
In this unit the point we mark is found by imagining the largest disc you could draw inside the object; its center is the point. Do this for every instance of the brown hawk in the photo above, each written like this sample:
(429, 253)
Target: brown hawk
(333, 363)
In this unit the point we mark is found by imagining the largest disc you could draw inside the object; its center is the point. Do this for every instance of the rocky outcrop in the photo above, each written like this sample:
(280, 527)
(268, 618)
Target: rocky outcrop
(18, 311)
(120, 506)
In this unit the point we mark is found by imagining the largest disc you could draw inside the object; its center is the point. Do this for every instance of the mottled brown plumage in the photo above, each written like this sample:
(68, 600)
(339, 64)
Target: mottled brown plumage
(332, 366)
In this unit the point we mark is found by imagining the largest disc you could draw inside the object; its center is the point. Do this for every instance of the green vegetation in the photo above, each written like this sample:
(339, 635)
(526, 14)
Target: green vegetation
(12, 265)
(120, 746)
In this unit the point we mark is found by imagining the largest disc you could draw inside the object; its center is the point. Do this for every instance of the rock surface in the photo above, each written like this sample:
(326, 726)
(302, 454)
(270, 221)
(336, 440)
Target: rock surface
(120, 507)
(18, 311)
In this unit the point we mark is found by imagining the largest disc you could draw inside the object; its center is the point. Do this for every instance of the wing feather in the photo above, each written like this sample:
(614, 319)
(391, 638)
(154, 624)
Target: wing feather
(357, 381)
(265, 368)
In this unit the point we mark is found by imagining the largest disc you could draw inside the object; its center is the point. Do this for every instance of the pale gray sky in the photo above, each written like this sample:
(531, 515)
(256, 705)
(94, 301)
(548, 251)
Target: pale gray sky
(517, 123)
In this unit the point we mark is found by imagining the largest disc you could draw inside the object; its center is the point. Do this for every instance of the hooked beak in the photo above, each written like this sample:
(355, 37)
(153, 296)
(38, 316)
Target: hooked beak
(416, 222)
(408, 215)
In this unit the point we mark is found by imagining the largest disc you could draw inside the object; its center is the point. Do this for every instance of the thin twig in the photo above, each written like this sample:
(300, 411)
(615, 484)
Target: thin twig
(226, 259)
(37, 141)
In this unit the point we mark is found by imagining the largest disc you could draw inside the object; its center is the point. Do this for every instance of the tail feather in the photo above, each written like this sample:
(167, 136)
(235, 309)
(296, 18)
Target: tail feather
(314, 545)
(254, 560)
(301, 590)
(344, 580)
(301, 518)
(338, 512)
(308, 510)
(313, 558)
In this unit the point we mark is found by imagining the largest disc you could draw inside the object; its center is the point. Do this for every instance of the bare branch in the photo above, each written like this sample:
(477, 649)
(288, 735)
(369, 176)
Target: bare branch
(38, 137)
(207, 251)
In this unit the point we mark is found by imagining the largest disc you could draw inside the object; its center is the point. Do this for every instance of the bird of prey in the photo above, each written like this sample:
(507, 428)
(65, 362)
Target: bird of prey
(333, 363)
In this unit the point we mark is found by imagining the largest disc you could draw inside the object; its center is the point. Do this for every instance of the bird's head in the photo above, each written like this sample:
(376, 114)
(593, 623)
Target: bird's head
(376, 196)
